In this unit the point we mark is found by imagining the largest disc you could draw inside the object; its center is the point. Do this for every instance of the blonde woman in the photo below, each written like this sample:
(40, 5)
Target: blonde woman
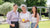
(25, 17)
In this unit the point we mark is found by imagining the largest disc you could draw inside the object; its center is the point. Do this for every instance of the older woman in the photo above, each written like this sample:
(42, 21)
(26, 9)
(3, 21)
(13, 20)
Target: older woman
(25, 17)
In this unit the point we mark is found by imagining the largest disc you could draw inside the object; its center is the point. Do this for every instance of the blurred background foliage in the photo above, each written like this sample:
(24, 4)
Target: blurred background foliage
(19, 2)
(6, 5)
(1, 2)
(31, 3)
(4, 8)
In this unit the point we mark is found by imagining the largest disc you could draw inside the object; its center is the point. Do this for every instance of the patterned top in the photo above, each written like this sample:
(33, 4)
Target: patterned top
(12, 16)
(26, 16)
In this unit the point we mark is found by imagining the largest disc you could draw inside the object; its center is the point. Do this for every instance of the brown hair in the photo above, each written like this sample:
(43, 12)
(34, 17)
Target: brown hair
(14, 4)
(35, 11)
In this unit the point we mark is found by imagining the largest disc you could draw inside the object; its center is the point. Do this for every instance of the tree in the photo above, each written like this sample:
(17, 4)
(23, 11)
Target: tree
(4, 8)
(19, 2)
(31, 3)
(1, 2)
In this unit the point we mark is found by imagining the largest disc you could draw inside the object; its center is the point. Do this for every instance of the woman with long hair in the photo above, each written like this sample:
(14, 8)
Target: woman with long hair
(35, 18)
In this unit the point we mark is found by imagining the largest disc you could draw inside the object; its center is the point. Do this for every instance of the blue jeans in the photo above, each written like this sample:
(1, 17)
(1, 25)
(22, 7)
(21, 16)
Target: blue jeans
(33, 25)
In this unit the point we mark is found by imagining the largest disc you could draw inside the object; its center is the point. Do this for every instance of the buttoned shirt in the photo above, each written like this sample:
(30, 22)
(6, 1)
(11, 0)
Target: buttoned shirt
(12, 16)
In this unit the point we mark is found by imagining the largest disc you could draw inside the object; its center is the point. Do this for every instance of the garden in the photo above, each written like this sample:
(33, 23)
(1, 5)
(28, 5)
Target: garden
(7, 5)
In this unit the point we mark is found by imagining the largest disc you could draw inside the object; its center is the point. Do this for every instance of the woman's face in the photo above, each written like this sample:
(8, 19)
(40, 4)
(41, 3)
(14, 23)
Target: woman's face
(15, 7)
(23, 9)
(33, 9)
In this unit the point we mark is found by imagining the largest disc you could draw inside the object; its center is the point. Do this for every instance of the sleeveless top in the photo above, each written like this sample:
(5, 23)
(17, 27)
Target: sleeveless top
(33, 19)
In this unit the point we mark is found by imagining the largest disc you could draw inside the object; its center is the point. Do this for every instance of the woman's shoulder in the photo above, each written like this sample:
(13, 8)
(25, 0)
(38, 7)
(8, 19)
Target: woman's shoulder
(37, 14)
(20, 12)
(28, 12)
(10, 12)
(32, 15)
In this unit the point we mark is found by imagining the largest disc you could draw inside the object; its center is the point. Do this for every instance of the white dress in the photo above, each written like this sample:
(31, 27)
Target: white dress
(25, 16)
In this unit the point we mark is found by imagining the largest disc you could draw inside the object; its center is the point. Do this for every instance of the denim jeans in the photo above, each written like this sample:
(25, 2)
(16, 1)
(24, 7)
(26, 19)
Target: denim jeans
(33, 25)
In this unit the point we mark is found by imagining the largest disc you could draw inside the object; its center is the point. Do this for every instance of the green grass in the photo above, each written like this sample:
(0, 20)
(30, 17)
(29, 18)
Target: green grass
(4, 26)
(45, 17)
(42, 24)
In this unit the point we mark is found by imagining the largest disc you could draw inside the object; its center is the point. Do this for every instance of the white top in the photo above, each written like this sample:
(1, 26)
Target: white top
(33, 19)
(25, 16)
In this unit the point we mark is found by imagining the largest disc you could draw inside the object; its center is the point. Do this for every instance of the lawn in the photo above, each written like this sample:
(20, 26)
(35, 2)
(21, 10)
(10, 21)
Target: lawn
(4, 26)
(42, 24)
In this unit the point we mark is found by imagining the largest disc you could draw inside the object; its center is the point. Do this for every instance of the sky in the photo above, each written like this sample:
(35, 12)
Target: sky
(48, 2)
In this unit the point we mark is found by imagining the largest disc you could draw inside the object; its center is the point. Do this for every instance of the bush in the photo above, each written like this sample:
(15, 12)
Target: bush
(19, 2)
(43, 15)
(4, 8)
(1, 2)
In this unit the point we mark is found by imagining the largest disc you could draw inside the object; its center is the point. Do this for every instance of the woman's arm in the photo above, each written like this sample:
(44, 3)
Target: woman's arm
(8, 17)
(37, 20)
(29, 17)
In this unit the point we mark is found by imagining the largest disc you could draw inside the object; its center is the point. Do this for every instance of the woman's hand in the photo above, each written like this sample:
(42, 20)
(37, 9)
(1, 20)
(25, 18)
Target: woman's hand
(27, 20)
(13, 25)
(34, 27)
(24, 21)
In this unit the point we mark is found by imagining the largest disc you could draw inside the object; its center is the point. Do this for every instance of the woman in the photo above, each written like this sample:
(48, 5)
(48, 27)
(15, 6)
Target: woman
(35, 18)
(13, 17)
(25, 17)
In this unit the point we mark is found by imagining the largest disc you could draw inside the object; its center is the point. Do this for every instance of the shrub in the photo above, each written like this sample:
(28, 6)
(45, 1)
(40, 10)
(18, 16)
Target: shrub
(43, 15)
(1, 2)
(4, 8)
